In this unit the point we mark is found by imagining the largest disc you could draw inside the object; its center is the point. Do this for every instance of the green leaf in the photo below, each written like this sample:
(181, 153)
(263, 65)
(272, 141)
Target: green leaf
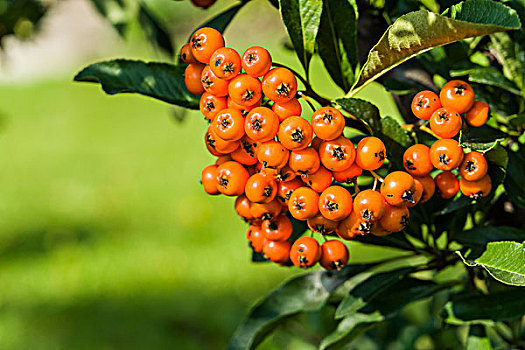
(115, 13)
(481, 139)
(488, 76)
(223, 19)
(506, 49)
(505, 261)
(302, 19)
(497, 159)
(394, 240)
(479, 236)
(401, 87)
(155, 30)
(396, 141)
(162, 81)
(362, 110)
(498, 306)
(336, 41)
(367, 290)
(386, 304)
(514, 179)
(477, 338)
(420, 31)
(308, 292)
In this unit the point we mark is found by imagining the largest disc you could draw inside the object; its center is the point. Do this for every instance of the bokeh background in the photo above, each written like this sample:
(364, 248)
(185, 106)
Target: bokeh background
(106, 239)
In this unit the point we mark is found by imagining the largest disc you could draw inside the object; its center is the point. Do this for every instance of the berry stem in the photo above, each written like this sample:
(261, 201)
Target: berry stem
(304, 97)
(377, 177)
(428, 131)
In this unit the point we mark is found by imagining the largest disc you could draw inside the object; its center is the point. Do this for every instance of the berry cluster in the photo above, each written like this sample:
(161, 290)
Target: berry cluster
(444, 112)
(281, 167)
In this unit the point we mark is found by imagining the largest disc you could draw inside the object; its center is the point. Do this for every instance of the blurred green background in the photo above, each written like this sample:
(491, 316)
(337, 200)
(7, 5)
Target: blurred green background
(107, 240)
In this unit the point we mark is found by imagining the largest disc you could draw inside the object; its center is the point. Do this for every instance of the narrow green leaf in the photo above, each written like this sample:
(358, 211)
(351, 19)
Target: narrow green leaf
(395, 240)
(223, 19)
(497, 306)
(420, 31)
(155, 30)
(488, 76)
(162, 81)
(308, 292)
(514, 181)
(302, 19)
(115, 13)
(336, 41)
(477, 338)
(363, 110)
(365, 291)
(350, 328)
(479, 236)
(506, 49)
(505, 261)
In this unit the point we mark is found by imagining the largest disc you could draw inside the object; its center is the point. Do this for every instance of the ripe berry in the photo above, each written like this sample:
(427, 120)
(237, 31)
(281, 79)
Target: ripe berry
(279, 85)
(395, 219)
(338, 154)
(245, 90)
(244, 109)
(218, 146)
(256, 61)
(278, 229)
(185, 54)
(354, 226)
(473, 167)
(203, 3)
(398, 188)
(287, 109)
(222, 159)
(231, 178)
(257, 239)
(295, 133)
(478, 114)
(285, 189)
(303, 203)
(266, 211)
(192, 78)
(209, 179)
(225, 63)
(369, 205)
(334, 255)
(285, 174)
(321, 225)
(228, 124)
(335, 203)
(417, 194)
(349, 175)
(424, 104)
(318, 181)
(445, 122)
(328, 123)
(278, 252)
(261, 188)
(429, 187)
(457, 95)
(379, 230)
(245, 154)
(370, 153)
(305, 252)
(446, 154)
(204, 42)
(416, 160)
(304, 161)
(261, 124)
(447, 184)
(213, 84)
(476, 189)
(272, 154)
(243, 207)
(210, 105)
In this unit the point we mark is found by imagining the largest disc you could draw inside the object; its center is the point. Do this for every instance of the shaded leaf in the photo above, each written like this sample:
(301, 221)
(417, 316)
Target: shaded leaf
(223, 19)
(302, 19)
(480, 236)
(155, 30)
(114, 12)
(364, 111)
(396, 141)
(162, 81)
(497, 306)
(401, 87)
(367, 290)
(308, 292)
(514, 179)
(420, 31)
(488, 76)
(350, 328)
(394, 240)
(497, 159)
(336, 41)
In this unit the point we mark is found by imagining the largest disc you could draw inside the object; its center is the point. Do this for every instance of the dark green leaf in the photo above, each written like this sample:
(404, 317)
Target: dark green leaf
(488, 76)
(158, 80)
(259, 257)
(395, 240)
(480, 236)
(456, 204)
(308, 292)
(114, 12)
(396, 141)
(497, 306)
(420, 31)
(155, 30)
(275, 3)
(299, 228)
(401, 87)
(362, 110)
(367, 290)
(350, 328)
(481, 138)
(477, 338)
(514, 179)
(336, 41)
(505, 261)
(506, 49)
(302, 19)
(497, 159)
(223, 19)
